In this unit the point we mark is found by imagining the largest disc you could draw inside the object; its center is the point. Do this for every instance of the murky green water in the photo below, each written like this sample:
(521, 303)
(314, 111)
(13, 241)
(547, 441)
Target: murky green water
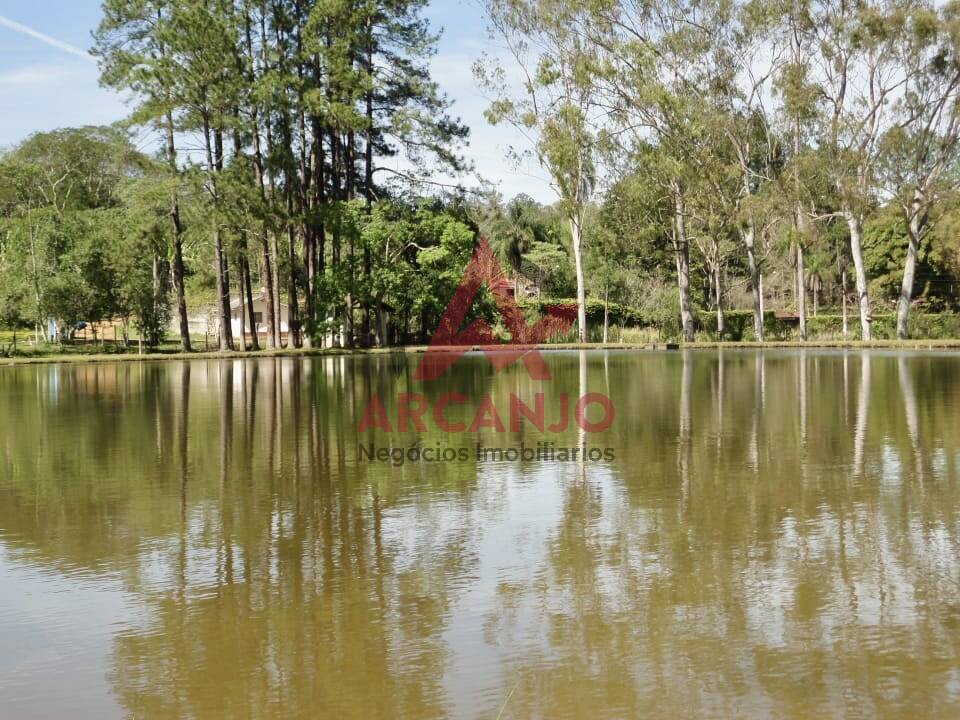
(776, 535)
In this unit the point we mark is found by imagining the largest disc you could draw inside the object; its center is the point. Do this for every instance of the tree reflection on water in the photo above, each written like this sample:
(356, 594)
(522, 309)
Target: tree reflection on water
(777, 535)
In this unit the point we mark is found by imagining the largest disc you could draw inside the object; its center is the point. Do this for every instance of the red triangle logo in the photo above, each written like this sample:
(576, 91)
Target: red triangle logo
(449, 342)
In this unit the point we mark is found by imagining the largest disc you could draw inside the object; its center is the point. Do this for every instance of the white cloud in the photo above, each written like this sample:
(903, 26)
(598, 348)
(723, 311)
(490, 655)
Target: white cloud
(35, 75)
(38, 98)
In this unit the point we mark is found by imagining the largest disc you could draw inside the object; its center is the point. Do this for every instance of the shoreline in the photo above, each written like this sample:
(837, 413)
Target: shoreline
(99, 358)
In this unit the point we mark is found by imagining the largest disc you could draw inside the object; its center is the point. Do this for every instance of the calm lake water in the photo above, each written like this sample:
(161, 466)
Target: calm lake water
(768, 534)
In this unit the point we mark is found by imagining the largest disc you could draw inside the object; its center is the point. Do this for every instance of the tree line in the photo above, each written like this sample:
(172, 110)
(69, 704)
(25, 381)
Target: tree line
(708, 155)
(741, 130)
(295, 105)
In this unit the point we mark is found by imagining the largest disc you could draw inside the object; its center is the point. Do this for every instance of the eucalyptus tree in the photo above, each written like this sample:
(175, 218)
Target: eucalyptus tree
(554, 107)
(744, 55)
(714, 196)
(800, 97)
(658, 83)
(860, 75)
(919, 151)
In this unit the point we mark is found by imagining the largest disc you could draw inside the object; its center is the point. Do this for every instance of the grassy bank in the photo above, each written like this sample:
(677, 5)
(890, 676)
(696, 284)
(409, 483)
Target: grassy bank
(94, 357)
(635, 325)
(921, 344)
(75, 356)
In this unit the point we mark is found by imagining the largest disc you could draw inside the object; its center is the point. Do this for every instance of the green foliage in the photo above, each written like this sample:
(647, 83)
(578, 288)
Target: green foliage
(421, 249)
(721, 147)
(78, 245)
(937, 281)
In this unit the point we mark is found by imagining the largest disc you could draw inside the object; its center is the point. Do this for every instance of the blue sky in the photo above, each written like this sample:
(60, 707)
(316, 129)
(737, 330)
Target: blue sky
(44, 85)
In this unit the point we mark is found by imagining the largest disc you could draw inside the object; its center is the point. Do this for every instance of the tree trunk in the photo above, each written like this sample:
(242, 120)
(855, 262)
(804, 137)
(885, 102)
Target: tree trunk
(156, 293)
(274, 242)
(577, 239)
(266, 265)
(177, 268)
(266, 276)
(293, 309)
(383, 339)
(242, 340)
(310, 240)
(760, 281)
(860, 274)
(223, 288)
(909, 270)
(748, 240)
(718, 288)
(248, 288)
(347, 338)
(177, 272)
(682, 255)
(606, 311)
(309, 322)
(275, 282)
(843, 297)
(335, 196)
(223, 292)
(801, 293)
(368, 171)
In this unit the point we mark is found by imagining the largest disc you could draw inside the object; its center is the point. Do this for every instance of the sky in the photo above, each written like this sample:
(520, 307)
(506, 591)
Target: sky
(47, 81)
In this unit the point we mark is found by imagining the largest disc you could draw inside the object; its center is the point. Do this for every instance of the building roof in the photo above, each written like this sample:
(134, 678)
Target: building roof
(239, 301)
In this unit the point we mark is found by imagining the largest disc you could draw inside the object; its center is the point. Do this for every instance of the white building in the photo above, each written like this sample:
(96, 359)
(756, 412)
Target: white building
(206, 320)
(237, 306)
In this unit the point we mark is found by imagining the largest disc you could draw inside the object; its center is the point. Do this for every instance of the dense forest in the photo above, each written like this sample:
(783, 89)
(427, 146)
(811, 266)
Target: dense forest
(708, 158)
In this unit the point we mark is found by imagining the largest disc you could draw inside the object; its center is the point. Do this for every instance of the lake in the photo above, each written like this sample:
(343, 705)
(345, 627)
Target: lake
(754, 534)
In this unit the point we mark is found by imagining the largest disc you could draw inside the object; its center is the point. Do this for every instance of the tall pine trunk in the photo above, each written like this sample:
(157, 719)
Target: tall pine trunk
(266, 264)
(274, 241)
(219, 257)
(293, 309)
(350, 188)
(335, 244)
(177, 268)
(242, 340)
(248, 289)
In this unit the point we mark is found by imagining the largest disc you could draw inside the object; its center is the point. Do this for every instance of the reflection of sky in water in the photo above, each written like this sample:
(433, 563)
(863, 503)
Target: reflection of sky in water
(56, 631)
(510, 552)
